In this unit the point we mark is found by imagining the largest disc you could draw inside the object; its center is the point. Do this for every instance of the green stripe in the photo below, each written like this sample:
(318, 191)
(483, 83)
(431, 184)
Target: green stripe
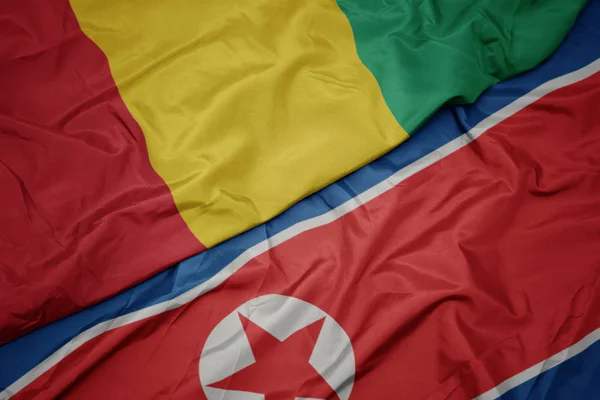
(425, 53)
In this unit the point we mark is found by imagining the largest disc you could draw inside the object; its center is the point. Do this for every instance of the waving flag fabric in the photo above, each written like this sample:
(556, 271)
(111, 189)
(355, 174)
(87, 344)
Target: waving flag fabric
(462, 264)
(134, 135)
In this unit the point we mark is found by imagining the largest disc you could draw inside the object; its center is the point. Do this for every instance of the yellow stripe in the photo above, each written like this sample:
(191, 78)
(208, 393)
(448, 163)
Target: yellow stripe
(247, 106)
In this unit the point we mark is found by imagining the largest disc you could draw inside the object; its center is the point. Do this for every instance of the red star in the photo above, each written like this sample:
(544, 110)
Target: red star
(281, 370)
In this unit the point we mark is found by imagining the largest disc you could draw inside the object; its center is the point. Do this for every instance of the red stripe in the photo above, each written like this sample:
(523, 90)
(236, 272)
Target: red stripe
(463, 275)
(82, 213)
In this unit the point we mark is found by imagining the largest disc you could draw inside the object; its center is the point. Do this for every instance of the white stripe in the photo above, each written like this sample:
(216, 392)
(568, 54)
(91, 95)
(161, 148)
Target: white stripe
(541, 367)
(304, 226)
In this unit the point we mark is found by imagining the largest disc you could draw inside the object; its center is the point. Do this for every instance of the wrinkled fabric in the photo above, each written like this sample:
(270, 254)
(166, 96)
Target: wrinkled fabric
(246, 107)
(464, 274)
(427, 53)
(133, 136)
(82, 213)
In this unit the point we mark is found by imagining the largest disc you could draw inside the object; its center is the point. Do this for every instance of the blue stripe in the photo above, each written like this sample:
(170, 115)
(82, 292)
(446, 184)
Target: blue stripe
(581, 47)
(576, 378)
